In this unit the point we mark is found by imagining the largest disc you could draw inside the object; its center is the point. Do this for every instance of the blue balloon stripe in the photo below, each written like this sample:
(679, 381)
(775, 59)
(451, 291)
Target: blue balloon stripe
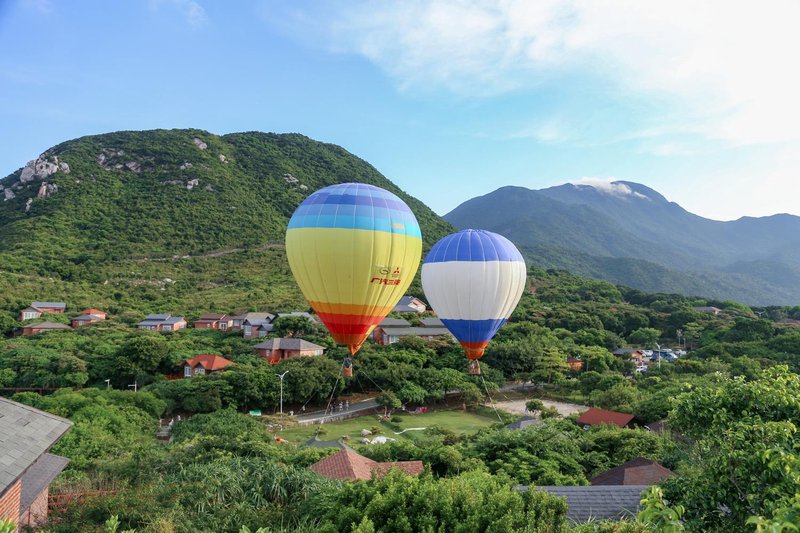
(351, 199)
(352, 210)
(473, 245)
(350, 222)
(473, 330)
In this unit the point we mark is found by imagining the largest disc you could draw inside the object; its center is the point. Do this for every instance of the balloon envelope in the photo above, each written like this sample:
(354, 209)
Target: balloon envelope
(473, 280)
(353, 249)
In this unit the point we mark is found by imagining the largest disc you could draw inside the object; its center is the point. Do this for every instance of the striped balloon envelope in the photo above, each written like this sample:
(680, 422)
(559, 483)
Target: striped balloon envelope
(473, 280)
(353, 249)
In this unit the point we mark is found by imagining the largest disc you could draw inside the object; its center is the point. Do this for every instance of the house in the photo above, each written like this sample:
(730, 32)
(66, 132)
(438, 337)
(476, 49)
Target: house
(348, 465)
(575, 364)
(37, 309)
(597, 417)
(204, 364)
(380, 330)
(524, 422)
(637, 471)
(26, 434)
(277, 350)
(162, 322)
(598, 502)
(410, 304)
(431, 322)
(257, 324)
(214, 321)
(390, 335)
(42, 327)
(88, 316)
(708, 309)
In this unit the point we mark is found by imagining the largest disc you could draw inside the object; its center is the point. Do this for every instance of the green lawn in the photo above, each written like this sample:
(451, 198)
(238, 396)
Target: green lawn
(453, 420)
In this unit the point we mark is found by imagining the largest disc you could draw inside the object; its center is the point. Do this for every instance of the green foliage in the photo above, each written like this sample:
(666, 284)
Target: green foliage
(473, 501)
(658, 514)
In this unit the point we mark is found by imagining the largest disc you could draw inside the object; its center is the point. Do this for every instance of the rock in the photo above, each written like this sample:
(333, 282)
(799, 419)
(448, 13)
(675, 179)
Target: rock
(52, 188)
(304, 187)
(118, 166)
(185, 165)
(222, 158)
(133, 166)
(9, 194)
(42, 190)
(288, 178)
(28, 204)
(192, 184)
(200, 144)
(101, 159)
(40, 168)
(209, 188)
(364, 441)
(365, 433)
(27, 173)
(63, 167)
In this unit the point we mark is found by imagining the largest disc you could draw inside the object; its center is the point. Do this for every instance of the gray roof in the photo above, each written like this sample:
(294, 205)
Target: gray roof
(25, 434)
(54, 305)
(174, 320)
(47, 325)
(418, 332)
(394, 323)
(256, 321)
(159, 317)
(287, 344)
(86, 317)
(404, 305)
(596, 502)
(39, 476)
(150, 323)
(524, 422)
(432, 321)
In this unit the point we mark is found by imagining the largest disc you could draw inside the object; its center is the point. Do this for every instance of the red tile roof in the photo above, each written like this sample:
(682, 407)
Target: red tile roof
(595, 416)
(348, 465)
(93, 311)
(209, 361)
(637, 471)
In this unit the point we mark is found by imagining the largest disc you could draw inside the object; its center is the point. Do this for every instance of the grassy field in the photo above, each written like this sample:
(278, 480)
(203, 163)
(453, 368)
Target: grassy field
(454, 420)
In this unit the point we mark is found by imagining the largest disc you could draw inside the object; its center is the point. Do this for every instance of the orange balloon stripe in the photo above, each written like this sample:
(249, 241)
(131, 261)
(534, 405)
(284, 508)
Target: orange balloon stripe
(349, 309)
(474, 350)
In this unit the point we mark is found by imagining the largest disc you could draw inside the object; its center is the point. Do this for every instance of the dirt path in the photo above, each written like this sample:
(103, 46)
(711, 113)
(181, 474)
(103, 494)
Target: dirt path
(518, 407)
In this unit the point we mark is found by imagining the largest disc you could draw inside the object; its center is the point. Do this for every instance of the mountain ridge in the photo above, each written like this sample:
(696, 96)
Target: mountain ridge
(576, 225)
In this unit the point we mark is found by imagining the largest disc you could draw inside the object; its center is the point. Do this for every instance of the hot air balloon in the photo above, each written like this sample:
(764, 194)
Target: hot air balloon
(473, 280)
(353, 249)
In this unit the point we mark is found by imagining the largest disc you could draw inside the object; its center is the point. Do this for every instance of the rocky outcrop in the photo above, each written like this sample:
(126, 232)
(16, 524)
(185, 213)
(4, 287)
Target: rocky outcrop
(40, 168)
(191, 184)
(185, 165)
(290, 179)
(28, 204)
(9, 195)
(222, 158)
(46, 189)
(199, 143)
(133, 166)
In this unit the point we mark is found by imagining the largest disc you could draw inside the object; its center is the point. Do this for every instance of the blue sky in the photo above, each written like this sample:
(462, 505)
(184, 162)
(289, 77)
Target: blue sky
(450, 100)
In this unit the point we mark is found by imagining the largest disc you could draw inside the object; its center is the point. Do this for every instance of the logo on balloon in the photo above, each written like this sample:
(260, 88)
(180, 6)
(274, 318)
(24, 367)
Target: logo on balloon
(387, 275)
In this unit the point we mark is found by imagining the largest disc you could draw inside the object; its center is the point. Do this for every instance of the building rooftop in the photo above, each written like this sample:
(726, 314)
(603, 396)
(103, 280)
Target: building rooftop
(39, 476)
(209, 361)
(389, 322)
(432, 321)
(159, 317)
(524, 422)
(595, 416)
(86, 317)
(47, 325)
(53, 305)
(418, 331)
(637, 471)
(212, 317)
(25, 434)
(598, 502)
(285, 343)
(348, 465)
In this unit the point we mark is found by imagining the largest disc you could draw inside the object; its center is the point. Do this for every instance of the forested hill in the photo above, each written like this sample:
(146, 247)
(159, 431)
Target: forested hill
(629, 234)
(169, 217)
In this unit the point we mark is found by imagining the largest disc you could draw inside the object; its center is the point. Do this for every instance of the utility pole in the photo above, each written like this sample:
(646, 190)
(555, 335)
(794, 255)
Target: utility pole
(659, 355)
(281, 376)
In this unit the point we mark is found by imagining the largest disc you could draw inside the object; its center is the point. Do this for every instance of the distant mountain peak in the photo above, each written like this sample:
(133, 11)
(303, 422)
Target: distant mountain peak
(619, 189)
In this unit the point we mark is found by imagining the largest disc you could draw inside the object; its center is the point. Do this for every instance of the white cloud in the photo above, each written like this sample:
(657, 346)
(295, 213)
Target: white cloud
(608, 186)
(728, 66)
(194, 14)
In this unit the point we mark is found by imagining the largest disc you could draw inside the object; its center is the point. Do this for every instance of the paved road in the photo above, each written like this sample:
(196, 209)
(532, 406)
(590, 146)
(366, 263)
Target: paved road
(317, 416)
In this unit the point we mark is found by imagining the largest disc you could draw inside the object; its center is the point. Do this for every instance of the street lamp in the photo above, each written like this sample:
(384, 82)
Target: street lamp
(108, 383)
(282, 376)
(135, 386)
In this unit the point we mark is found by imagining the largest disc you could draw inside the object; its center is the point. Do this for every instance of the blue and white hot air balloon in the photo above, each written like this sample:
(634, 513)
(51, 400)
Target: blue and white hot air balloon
(473, 280)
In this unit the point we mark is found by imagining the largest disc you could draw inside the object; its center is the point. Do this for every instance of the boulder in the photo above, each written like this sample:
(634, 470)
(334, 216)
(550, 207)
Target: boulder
(28, 204)
(9, 194)
(222, 158)
(63, 167)
(133, 166)
(199, 143)
(192, 183)
(365, 433)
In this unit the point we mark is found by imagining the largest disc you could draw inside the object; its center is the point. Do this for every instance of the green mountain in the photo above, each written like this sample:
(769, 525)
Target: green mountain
(172, 220)
(629, 234)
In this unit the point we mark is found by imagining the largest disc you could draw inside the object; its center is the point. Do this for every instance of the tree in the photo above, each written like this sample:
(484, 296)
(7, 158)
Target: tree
(294, 326)
(534, 405)
(389, 401)
(550, 367)
(646, 337)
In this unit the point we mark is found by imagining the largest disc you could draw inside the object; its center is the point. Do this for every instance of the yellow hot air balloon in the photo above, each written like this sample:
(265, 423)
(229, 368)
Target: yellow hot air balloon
(353, 249)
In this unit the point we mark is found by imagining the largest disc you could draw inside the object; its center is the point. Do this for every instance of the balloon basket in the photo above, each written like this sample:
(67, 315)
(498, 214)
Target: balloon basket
(347, 367)
(474, 367)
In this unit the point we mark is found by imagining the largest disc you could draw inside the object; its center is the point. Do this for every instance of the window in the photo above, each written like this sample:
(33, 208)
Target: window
(200, 371)
(187, 371)
(166, 327)
(223, 326)
(248, 330)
